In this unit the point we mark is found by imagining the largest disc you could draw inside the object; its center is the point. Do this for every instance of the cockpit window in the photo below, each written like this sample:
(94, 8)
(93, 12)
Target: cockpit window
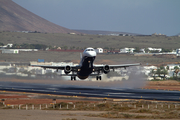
(90, 50)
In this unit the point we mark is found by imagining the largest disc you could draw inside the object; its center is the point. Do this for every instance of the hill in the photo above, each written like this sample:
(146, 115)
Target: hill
(15, 18)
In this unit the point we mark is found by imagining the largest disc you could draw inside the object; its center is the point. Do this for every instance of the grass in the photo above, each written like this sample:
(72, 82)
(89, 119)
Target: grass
(143, 111)
(120, 110)
(69, 119)
(126, 110)
(116, 115)
(82, 41)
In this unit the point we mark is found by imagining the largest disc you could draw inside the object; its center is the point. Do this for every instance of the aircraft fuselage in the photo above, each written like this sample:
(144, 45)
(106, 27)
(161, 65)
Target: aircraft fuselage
(86, 64)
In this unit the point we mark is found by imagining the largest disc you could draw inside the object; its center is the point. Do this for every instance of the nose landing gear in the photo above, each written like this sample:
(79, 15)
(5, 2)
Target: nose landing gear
(73, 78)
(98, 77)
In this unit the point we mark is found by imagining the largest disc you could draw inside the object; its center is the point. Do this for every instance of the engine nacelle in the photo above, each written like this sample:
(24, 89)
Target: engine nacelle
(106, 69)
(67, 69)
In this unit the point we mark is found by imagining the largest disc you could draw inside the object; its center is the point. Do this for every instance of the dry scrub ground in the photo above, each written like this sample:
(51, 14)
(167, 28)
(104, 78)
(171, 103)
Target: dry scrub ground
(32, 107)
(21, 106)
(163, 85)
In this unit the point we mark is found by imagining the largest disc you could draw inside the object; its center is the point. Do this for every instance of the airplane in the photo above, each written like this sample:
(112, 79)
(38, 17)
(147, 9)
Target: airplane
(86, 67)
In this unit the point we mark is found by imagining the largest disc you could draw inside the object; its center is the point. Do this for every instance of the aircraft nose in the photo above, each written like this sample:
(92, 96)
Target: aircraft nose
(91, 53)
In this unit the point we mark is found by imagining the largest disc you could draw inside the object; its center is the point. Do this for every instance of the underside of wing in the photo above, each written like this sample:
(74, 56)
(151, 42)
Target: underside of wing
(124, 65)
(68, 68)
(49, 66)
(117, 66)
(106, 68)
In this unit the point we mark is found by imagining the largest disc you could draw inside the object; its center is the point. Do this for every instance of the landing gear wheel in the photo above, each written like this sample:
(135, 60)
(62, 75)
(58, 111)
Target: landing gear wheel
(73, 78)
(98, 77)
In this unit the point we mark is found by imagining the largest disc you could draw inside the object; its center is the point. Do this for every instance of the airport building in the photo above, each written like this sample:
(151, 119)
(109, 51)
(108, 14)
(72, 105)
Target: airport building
(99, 50)
(127, 50)
(12, 51)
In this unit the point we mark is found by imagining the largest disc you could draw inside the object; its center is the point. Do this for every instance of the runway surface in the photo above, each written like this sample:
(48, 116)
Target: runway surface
(89, 91)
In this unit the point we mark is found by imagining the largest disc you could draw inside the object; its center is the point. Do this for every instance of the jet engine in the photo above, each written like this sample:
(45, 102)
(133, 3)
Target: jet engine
(67, 69)
(106, 69)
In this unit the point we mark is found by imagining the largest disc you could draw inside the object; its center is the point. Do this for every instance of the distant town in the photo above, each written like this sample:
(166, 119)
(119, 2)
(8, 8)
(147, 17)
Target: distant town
(15, 49)
(170, 71)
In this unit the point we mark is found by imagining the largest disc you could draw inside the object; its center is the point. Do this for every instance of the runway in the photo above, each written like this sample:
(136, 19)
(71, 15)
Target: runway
(89, 91)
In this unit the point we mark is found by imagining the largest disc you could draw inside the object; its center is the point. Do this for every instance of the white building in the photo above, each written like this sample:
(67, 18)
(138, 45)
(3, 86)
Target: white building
(178, 52)
(127, 50)
(147, 69)
(99, 50)
(143, 50)
(155, 49)
(13, 51)
(8, 45)
(171, 66)
(27, 50)
(17, 50)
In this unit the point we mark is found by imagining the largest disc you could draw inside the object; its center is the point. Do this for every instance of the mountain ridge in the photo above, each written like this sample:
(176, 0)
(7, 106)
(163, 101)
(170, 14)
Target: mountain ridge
(13, 17)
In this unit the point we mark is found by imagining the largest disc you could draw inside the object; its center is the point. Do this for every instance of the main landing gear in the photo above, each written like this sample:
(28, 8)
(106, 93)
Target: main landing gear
(98, 77)
(73, 77)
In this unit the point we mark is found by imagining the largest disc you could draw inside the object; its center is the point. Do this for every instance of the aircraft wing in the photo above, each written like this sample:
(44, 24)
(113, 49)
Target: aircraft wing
(101, 67)
(123, 65)
(74, 67)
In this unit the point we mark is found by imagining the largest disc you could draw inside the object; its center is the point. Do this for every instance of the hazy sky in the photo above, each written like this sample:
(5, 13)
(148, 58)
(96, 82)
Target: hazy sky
(135, 16)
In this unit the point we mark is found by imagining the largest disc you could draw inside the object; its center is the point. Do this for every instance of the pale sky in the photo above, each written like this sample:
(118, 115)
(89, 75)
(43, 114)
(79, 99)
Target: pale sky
(134, 16)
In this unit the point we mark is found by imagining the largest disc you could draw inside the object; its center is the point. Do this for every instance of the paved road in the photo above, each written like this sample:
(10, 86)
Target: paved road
(87, 91)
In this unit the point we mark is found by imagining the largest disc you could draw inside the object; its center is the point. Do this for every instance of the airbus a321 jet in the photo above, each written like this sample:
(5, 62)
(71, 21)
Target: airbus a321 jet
(86, 67)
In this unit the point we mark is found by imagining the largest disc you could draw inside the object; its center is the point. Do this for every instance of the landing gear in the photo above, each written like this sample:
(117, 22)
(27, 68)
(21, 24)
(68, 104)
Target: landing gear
(73, 78)
(98, 77)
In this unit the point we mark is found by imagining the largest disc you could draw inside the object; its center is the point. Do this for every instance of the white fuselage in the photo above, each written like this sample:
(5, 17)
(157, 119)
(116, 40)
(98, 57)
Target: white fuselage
(86, 64)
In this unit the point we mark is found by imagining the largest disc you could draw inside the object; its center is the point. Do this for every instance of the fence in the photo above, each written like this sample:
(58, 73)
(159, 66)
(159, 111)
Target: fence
(91, 106)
